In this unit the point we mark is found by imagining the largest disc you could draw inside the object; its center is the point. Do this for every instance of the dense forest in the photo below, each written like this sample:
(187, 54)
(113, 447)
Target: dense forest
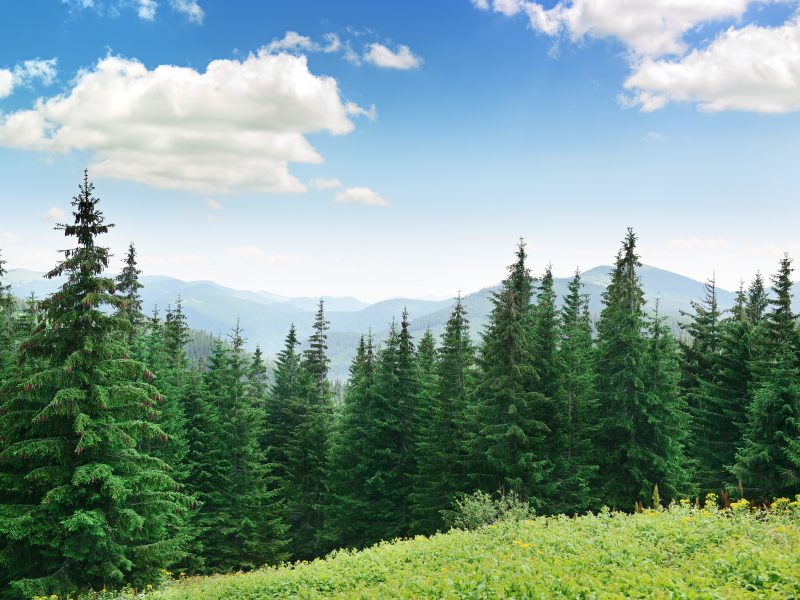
(121, 456)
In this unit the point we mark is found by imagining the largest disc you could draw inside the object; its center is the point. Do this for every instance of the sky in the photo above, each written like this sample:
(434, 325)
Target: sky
(401, 148)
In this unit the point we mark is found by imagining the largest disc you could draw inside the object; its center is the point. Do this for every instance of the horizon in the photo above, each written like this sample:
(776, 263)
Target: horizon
(407, 155)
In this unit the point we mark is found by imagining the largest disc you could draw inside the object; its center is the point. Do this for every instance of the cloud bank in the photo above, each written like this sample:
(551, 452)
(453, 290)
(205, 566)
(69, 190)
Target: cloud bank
(236, 125)
(746, 67)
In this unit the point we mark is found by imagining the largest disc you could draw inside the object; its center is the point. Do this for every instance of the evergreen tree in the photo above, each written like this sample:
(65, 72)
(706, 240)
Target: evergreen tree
(509, 450)
(351, 454)
(577, 401)
(82, 506)
(701, 374)
(446, 383)
(244, 528)
(544, 341)
(128, 286)
(632, 376)
(768, 463)
(284, 405)
(303, 484)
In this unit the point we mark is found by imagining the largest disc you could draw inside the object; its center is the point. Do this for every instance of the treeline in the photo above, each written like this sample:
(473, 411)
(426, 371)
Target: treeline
(120, 457)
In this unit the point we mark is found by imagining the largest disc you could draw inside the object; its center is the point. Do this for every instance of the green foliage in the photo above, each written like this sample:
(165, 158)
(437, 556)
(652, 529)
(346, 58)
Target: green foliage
(675, 553)
(509, 449)
(641, 414)
(83, 505)
(479, 509)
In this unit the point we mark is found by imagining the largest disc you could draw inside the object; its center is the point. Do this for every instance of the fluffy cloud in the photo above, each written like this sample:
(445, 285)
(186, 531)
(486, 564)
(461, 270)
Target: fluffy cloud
(361, 195)
(26, 73)
(747, 67)
(147, 9)
(381, 56)
(647, 28)
(293, 41)
(752, 68)
(237, 125)
(213, 204)
(191, 9)
(323, 183)
(6, 82)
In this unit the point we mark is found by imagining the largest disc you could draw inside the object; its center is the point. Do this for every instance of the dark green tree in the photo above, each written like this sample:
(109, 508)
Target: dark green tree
(577, 402)
(351, 458)
(303, 484)
(128, 286)
(632, 374)
(509, 451)
(768, 462)
(443, 422)
(83, 507)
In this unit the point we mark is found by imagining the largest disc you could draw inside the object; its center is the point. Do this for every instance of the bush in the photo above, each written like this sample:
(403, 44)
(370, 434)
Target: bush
(471, 511)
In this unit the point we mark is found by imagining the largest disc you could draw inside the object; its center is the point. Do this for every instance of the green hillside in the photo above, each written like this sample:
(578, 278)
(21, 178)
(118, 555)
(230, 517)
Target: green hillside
(682, 552)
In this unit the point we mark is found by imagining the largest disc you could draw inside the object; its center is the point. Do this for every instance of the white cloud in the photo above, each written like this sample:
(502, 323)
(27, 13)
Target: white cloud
(752, 68)
(647, 28)
(147, 9)
(191, 9)
(213, 204)
(747, 67)
(256, 254)
(324, 183)
(6, 83)
(237, 125)
(25, 73)
(381, 56)
(361, 195)
(293, 41)
(700, 243)
(54, 213)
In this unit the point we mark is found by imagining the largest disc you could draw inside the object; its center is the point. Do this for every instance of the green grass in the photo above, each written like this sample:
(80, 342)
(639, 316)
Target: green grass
(678, 553)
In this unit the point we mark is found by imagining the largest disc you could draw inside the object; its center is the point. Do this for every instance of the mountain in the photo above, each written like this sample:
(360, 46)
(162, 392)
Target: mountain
(266, 317)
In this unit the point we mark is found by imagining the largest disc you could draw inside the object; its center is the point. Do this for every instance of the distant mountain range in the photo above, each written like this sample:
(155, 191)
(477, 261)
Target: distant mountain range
(266, 317)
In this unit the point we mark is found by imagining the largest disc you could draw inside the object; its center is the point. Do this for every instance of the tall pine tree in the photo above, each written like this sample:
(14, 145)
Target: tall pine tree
(83, 506)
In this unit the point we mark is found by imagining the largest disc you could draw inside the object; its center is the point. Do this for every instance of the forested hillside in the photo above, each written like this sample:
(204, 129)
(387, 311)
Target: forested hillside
(121, 457)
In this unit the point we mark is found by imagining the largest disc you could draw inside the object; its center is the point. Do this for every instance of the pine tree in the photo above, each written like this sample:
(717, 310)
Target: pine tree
(83, 507)
(630, 382)
(545, 337)
(768, 463)
(577, 402)
(350, 458)
(128, 286)
(509, 450)
(284, 405)
(446, 383)
(303, 484)
(244, 526)
(701, 373)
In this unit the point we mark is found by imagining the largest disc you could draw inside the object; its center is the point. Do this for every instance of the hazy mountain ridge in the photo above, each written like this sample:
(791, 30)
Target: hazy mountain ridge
(266, 317)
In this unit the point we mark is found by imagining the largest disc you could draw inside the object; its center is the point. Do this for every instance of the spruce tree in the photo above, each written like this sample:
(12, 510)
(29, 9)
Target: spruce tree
(632, 376)
(768, 463)
(128, 286)
(351, 454)
(303, 484)
(577, 402)
(246, 525)
(509, 451)
(83, 506)
(447, 380)
(701, 374)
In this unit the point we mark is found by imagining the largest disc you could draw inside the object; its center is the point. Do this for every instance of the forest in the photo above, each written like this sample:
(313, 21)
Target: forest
(121, 457)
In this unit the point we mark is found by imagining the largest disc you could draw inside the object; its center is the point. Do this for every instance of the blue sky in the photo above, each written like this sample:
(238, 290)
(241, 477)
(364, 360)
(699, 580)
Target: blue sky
(446, 130)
